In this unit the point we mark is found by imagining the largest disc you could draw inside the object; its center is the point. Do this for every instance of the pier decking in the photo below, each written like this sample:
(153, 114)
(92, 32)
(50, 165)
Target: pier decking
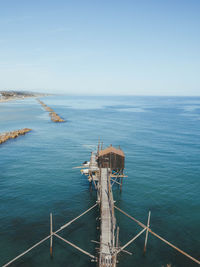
(107, 237)
(107, 256)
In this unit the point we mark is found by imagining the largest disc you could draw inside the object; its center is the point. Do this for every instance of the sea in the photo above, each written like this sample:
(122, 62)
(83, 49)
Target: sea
(160, 137)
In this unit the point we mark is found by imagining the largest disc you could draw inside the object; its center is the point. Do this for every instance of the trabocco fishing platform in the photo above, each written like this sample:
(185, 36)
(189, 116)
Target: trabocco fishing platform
(105, 170)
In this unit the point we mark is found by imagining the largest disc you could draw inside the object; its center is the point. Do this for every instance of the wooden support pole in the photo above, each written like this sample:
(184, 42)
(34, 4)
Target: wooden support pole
(148, 223)
(121, 184)
(109, 185)
(51, 238)
(118, 180)
(94, 182)
(117, 238)
(91, 186)
(98, 146)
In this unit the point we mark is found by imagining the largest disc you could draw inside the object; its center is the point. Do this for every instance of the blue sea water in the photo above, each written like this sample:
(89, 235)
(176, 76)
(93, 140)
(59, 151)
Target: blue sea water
(161, 140)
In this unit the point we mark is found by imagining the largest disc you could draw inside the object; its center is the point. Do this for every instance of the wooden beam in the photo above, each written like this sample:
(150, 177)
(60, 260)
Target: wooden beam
(115, 181)
(25, 252)
(121, 184)
(70, 222)
(81, 167)
(133, 239)
(132, 218)
(171, 245)
(159, 237)
(78, 248)
(117, 238)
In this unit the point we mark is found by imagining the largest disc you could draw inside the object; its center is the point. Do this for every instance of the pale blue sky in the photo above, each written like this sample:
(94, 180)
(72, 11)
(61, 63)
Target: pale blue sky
(143, 47)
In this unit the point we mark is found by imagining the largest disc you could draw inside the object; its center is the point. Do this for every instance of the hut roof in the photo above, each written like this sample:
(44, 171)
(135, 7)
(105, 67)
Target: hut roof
(111, 149)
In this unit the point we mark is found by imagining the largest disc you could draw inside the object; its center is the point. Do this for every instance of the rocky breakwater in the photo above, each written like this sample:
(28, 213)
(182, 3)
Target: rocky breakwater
(54, 116)
(14, 134)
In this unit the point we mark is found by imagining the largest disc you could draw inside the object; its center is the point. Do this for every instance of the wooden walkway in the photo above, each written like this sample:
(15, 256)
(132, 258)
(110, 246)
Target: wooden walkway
(107, 256)
(107, 237)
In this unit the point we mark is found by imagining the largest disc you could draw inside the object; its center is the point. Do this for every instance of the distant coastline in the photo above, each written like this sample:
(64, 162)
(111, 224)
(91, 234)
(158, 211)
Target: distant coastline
(6, 96)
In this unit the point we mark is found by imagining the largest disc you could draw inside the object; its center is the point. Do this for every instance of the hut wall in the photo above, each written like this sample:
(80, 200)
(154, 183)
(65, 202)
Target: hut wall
(111, 160)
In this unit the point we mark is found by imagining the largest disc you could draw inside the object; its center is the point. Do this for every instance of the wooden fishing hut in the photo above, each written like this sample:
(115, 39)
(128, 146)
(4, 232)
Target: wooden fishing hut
(112, 158)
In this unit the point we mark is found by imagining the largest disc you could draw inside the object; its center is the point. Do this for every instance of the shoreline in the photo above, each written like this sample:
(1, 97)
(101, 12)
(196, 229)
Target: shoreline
(20, 98)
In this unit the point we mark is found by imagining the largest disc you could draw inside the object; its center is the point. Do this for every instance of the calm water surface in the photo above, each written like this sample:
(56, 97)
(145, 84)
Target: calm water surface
(161, 139)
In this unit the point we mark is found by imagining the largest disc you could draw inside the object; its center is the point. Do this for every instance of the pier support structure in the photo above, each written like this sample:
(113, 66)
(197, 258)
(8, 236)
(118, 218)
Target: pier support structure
(103, 180)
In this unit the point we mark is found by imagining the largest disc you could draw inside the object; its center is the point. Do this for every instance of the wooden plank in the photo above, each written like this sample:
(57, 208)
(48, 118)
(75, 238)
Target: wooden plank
(107, 238)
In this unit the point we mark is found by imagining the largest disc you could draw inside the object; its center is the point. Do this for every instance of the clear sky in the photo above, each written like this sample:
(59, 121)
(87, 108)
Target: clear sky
(137, 47)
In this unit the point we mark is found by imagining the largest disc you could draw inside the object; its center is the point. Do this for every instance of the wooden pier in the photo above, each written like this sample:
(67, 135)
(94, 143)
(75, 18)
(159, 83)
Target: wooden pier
(103, 171)
(101, 181)
(100, 172)
(107, 236)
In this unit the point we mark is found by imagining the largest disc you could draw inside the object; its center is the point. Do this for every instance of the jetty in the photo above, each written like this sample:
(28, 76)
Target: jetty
(54, 116)
(104, 170)
(12, 135)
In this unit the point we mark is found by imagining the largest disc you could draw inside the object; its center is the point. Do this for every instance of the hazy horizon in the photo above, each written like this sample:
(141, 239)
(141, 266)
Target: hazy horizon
(101, 48)
(93, 94)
